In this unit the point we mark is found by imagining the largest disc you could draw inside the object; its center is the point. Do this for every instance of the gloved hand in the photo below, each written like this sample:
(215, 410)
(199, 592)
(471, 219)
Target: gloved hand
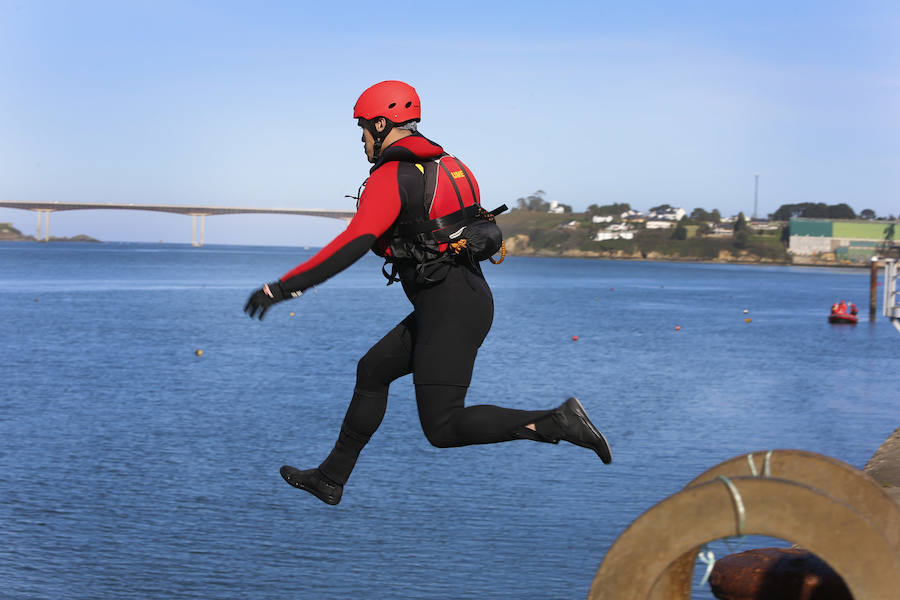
(266, 296)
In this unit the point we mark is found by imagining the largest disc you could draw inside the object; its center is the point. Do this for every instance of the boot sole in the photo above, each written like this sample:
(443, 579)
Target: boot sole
(286, 472)
(602, 449)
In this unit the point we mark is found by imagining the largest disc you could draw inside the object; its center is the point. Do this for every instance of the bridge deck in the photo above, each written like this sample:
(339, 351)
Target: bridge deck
(43, 209)
(182, 209)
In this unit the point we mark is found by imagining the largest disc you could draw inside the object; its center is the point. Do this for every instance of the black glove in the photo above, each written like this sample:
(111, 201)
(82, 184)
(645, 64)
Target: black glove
(266, 296)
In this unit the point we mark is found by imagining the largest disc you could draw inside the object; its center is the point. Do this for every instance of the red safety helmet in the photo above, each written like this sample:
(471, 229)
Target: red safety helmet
(396, 101)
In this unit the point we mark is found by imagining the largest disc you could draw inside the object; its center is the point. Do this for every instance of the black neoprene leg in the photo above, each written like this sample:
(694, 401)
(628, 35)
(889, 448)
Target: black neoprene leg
(448, 423)
(453, 320)
(386, 361)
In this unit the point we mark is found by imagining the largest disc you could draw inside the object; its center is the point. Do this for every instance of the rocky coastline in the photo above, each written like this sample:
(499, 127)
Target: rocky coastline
(8, 233)
(519, 245)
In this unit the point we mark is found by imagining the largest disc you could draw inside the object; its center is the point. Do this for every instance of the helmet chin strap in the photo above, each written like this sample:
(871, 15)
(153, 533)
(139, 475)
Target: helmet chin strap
(378, 137)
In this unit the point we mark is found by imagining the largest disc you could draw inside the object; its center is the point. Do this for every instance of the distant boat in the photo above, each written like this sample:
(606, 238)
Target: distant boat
(844, 318)
(840, 315)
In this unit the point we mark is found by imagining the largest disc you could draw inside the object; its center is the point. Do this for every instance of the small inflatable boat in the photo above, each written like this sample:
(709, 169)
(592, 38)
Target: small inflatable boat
(845, 318)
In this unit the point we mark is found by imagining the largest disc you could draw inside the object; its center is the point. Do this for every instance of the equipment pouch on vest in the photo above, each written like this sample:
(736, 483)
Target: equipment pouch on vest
(481, 239)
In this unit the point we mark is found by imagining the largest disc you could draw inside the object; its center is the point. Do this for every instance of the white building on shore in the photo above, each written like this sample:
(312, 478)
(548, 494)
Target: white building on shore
(666, 214)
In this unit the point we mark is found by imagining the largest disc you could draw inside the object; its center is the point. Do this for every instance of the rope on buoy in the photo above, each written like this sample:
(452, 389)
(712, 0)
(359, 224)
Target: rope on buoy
(767, 472)
(706, 555)
(738, 505)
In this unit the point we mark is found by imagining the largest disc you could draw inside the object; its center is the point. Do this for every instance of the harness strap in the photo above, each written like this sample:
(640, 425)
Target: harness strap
(468, 180)
(392, 277)
(465, 216)
(453, 181)
(430, 171)
(455, 218)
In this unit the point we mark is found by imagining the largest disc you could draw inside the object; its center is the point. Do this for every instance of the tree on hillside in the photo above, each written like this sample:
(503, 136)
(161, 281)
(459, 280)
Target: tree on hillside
(660, 207)
(534, 202)
(741, 232)
(841, 211)
(699, 214)
(867, 213)
(809, 210)
(716, 215)
(606, 210)
(680, 232)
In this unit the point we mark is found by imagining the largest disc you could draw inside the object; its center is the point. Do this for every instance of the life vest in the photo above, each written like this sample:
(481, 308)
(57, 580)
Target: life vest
(450, 223)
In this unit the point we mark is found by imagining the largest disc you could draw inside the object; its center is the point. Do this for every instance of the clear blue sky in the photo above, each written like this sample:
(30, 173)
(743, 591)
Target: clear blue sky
(227, 103)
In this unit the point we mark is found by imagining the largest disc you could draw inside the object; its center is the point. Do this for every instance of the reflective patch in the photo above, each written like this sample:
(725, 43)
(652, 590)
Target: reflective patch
(457, 174)
(420, 167)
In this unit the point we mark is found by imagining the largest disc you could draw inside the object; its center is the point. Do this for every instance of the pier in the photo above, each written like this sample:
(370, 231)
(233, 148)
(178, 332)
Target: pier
(196, 212)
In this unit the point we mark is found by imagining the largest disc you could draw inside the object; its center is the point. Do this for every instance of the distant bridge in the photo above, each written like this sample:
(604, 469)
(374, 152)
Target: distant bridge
(43, 210)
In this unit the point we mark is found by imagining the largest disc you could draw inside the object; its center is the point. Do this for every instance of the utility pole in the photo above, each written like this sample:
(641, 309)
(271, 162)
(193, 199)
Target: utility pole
(755, 193)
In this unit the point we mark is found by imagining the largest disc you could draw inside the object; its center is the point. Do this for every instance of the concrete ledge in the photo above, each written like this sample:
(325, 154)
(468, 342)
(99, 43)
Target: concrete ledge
(884, 466)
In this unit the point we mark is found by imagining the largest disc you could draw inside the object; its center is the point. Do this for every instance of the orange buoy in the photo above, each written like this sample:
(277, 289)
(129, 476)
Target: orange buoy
(748, 320)
(198, 352)
(678, 328)
(574, 338)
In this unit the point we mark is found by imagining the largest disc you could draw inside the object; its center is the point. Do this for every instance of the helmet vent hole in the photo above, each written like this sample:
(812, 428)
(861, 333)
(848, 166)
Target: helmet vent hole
(392, 105)
(408, 104)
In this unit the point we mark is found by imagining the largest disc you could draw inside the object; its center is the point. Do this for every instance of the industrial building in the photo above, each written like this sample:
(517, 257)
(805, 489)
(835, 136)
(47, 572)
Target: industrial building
(843, 241)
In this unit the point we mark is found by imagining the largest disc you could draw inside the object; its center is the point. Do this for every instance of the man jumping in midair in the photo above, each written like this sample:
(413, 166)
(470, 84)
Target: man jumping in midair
(414, 190)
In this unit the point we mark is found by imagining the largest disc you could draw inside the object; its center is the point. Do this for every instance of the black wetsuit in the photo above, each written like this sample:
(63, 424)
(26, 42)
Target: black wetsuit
(437, 342)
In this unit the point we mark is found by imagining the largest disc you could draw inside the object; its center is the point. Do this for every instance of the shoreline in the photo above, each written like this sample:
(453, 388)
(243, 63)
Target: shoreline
(651, 257)
(31, 238)
(756, 261)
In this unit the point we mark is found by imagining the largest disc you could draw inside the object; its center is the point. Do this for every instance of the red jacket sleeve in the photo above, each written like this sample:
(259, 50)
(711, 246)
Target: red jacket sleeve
(379, 207)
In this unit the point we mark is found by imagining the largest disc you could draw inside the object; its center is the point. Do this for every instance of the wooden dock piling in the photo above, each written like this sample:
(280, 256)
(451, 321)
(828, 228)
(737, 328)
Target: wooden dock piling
(873, 288)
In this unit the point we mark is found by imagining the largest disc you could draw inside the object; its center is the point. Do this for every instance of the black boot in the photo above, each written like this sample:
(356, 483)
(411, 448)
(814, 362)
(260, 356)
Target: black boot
(339, 463)
(570, 422)
(314, 482)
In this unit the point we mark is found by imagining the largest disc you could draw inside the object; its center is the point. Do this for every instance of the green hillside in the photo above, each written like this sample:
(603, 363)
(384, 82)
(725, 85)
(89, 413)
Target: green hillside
(543, 234)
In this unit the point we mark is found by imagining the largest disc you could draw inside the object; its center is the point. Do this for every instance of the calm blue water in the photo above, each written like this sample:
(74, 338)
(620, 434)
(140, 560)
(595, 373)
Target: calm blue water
(131, 468)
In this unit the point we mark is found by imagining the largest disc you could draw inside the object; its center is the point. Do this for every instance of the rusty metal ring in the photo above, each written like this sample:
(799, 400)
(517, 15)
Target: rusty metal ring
(851, 544)
(836, 478)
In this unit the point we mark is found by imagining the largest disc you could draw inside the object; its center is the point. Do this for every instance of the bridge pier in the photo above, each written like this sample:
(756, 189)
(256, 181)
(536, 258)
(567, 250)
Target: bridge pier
(46, 235)
(194, 241)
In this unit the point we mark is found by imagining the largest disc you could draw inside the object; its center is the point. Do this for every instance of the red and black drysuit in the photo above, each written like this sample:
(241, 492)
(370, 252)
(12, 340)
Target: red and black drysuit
(437, 342)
